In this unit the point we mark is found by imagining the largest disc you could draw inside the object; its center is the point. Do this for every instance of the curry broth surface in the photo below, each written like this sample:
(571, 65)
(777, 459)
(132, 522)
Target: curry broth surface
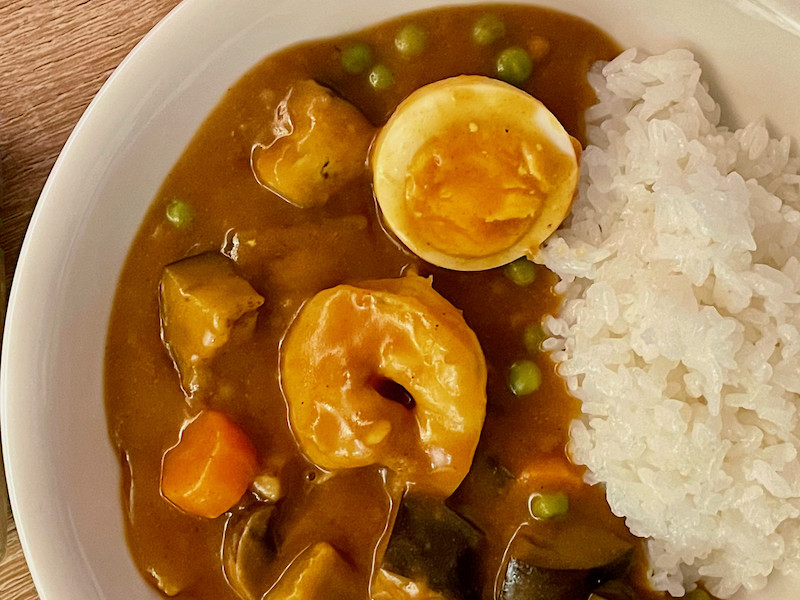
(288, 254)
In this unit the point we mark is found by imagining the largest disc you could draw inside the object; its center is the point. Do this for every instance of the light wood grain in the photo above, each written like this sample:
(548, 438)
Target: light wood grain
(15, 579)
(54, 57)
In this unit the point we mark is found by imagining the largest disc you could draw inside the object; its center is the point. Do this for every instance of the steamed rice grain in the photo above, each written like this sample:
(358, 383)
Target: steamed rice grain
(680, 326)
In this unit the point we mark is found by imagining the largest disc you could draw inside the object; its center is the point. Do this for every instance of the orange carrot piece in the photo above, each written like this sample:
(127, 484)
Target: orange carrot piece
(210, 468)
(552, 475)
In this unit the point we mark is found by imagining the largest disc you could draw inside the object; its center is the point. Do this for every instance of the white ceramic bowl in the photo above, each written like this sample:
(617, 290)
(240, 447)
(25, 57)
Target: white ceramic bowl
(64, 476)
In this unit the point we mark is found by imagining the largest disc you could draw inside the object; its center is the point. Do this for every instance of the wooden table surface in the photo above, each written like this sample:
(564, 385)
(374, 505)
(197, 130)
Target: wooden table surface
(54, 57)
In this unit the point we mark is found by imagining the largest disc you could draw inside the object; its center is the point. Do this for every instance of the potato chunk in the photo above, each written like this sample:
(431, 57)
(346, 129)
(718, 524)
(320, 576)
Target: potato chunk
(391, 586)
(321, 142)
(319, 572)
(203, 303)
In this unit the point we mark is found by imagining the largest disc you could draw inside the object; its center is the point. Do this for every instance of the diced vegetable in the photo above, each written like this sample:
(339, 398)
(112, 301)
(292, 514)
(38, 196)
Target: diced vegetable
(432, 545)
(488, 29)
(521, 271)
(514, 65)
(548, 506)
(549, 475)
(538, 47)
(411, 40)
(321, 143)
(488, 479)
(537, 571)
(319, 572)
(248, 547)
(493, 476)
(525, 581)
(180, 213)
(524, 377)
(356, 57)
(210, 468)
(204, 303)
(381, 77)
(559, 558)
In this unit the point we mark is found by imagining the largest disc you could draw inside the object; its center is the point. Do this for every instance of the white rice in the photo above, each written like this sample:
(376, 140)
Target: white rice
(680, 328)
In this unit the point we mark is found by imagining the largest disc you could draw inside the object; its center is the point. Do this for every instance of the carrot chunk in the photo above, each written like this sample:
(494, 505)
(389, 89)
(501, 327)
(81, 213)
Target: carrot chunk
(211, 466)
(552, 475)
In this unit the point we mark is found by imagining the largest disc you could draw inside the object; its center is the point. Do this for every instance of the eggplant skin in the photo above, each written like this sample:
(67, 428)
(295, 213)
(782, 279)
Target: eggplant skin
(525, 581)
(433, 545)
(248, 546)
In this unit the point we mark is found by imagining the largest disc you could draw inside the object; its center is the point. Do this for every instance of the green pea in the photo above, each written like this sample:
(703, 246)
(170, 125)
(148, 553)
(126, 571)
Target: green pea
(533, 337)
(411, 40)
(180, 213)
(547, 506)
(521, 271)
(697, 594)
(381, 77)
(524, 377)
(356, 57)
(488, 29)
(514, 65)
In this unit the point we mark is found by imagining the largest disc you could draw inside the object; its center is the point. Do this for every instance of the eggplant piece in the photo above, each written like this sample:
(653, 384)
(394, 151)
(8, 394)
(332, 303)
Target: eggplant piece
(248, 547)
(487, 482)
(320, 142)
(434, 547)
(524, 581)
(544, 570)
(493, 476)
(204, 304)
(487, 477)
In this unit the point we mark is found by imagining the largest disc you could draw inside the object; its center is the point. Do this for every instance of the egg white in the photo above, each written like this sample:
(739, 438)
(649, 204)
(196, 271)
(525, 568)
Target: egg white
(468, 101)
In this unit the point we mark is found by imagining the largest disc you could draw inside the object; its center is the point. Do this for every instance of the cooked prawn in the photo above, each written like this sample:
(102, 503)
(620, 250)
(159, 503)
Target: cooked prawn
(386, 373)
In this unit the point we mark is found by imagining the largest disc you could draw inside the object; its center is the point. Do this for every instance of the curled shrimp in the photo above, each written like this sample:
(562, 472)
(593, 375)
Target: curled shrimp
(386, 373)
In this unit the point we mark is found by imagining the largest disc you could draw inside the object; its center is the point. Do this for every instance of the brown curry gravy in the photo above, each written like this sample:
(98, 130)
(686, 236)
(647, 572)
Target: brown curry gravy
(288, 254)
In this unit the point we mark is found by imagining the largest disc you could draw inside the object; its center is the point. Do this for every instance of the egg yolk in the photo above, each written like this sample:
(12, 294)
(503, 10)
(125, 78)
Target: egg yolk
(475, 188)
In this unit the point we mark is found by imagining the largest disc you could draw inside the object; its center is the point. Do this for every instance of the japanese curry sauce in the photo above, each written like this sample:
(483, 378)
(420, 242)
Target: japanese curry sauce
(288, 254)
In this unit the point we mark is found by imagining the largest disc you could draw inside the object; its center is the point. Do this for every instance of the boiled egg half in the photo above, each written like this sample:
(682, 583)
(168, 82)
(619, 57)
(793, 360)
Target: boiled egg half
(472, 173)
